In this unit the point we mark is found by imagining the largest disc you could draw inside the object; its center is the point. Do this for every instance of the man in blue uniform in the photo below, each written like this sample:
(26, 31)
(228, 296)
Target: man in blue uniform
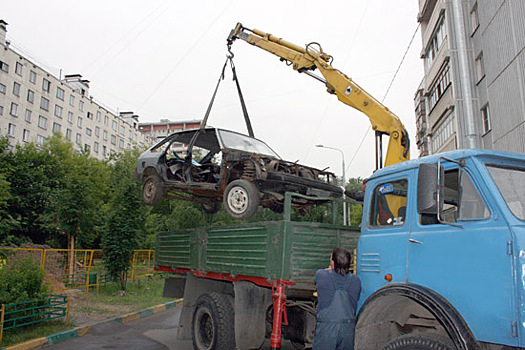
(338, 292)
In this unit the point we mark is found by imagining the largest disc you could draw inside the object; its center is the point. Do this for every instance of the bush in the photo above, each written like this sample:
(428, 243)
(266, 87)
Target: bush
(22, 280)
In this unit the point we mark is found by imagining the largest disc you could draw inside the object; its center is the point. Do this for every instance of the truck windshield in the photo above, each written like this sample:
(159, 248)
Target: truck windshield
(245, 143)
(509, 181)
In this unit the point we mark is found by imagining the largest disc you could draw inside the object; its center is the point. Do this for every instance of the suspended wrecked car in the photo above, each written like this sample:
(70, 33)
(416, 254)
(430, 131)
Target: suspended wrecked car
(221, 166)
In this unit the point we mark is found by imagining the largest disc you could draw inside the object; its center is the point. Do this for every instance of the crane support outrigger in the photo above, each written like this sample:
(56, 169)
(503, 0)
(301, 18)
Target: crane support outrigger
(306, 59)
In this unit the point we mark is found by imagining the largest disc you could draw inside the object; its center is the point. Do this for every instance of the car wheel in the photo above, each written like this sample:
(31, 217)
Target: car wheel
(211, 208)
(213, 323)
(152, 191)
(241, 199)
(420, 342)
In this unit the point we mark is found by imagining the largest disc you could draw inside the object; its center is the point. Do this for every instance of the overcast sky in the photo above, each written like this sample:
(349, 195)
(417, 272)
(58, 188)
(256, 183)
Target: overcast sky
(161, 59)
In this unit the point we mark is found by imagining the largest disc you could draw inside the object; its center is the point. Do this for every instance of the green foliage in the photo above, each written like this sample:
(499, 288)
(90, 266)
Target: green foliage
(22, 280)
(125, 224)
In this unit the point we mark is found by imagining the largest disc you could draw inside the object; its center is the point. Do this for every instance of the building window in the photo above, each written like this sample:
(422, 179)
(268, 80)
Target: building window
(18, 68)
(106, 120)
(56, 127)
(46, 85)
(123, 131)
(60, 93)
(79, 122)
(88, 131)
(42, 122)
(435, 43)
(32, 77)
(26, 135)
(87, 148)
(44, 104)
(4, 66)
(3, 89)
(485, 119)
(97, 131)
(113, 140)
(444, 132)
(114, 125)
(68, 134)
(90, 115)
(28, 116)
(72, 100)
(439, 88)
(78, 139)
(104, 150)
(11, 130)
(40, 140)
(474, 18)
(95, 147)
(121, 143)
(1, 110)
(30, 96)
(58, 111)
(99, 116)
(81, 106)
(14, 109)
(480, 68)
(70, 117)
(105, 135)
(16, 89)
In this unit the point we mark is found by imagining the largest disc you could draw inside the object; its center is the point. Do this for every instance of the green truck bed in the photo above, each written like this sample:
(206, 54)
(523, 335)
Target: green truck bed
(273, 250)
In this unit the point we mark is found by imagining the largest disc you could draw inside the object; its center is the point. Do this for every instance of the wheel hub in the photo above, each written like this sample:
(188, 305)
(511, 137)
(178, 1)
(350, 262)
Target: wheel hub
(238, 200)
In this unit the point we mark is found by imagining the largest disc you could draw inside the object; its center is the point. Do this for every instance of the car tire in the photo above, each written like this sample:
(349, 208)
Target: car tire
(211, 208)
(152, 191)
(213, 323)
(241, 199)
(420, 342)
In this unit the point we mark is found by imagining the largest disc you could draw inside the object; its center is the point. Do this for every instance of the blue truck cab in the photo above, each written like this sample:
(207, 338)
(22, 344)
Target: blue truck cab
(441, 255)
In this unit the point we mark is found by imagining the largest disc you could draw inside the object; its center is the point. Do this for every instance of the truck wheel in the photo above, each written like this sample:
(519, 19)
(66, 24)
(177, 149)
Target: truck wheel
(211, 208)
(241, 199)
(213, 323)
(152, 191)
(420, 342)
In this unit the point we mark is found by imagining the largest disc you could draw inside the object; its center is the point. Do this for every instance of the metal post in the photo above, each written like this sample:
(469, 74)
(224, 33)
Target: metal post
(344, 179)
(67, 309)
(2, 322)
(279, 301)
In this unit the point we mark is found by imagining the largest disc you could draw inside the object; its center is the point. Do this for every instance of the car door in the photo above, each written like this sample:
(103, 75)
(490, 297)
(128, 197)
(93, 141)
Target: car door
(467, 261)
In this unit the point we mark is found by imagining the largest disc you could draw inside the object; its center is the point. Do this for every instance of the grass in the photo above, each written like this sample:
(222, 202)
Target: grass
(85, 308)
(20, 335)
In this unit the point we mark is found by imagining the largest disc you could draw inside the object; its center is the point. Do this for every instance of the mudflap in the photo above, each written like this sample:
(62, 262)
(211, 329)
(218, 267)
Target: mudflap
(193, 289)
(251, 304)
(174, 287)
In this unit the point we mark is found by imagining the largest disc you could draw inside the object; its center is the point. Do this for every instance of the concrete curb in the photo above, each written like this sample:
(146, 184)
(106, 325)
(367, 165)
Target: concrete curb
(82, 330)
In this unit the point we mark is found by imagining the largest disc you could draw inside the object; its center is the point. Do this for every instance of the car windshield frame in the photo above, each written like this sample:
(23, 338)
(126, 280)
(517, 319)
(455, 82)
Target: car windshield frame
(236, 141)
(509, 182)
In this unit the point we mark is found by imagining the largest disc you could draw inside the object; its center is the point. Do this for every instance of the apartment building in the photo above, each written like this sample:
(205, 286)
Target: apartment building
(161, 129)
(473, 91)
(34, 104)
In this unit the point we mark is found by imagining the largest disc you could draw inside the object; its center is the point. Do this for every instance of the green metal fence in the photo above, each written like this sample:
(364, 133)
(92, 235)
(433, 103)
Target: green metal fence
(35, 311)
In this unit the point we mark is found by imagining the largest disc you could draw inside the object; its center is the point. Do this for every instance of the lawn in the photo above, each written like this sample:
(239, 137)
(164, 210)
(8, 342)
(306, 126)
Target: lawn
(86, 308)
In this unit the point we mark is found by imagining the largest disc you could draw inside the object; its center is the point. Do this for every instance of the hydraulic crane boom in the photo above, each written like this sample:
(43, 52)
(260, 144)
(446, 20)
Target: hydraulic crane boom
(311, 57)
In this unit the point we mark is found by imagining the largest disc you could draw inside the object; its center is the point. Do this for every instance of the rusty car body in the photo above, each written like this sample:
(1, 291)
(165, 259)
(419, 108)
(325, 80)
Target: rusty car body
(213, 166)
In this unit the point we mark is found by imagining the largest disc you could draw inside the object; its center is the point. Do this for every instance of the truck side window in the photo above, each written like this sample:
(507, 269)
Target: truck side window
(389, 202)
(461, 199)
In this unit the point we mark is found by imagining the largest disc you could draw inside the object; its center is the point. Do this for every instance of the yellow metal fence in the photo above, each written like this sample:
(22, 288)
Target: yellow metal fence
(79, 268)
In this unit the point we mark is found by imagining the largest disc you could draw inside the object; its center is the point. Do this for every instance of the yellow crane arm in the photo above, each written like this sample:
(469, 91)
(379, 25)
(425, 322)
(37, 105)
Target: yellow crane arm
(311, 57)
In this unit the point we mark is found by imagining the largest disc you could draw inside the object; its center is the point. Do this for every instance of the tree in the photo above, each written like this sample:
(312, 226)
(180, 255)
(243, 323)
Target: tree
(126, 217)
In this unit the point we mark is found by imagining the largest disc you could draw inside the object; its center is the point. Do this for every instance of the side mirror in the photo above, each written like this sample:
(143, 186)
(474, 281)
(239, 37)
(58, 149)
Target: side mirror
(427, 189)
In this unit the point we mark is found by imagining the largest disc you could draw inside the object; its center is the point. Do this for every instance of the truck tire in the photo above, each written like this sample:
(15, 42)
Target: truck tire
(420, 342)
(152, 190)
(211, 208)
(213, 323)
(241, 199)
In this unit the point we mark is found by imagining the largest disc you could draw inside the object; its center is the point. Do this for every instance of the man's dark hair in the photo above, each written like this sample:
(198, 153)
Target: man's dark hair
(342, 259)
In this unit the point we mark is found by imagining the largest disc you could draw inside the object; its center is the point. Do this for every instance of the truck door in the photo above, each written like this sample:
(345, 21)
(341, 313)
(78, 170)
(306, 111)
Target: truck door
(467, 261)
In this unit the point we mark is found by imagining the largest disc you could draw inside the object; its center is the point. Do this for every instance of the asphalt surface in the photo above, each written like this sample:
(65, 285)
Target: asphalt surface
(155, 332)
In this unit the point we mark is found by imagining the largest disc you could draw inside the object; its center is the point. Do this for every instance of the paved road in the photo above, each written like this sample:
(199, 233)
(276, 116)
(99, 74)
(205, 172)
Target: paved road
(155, 332)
